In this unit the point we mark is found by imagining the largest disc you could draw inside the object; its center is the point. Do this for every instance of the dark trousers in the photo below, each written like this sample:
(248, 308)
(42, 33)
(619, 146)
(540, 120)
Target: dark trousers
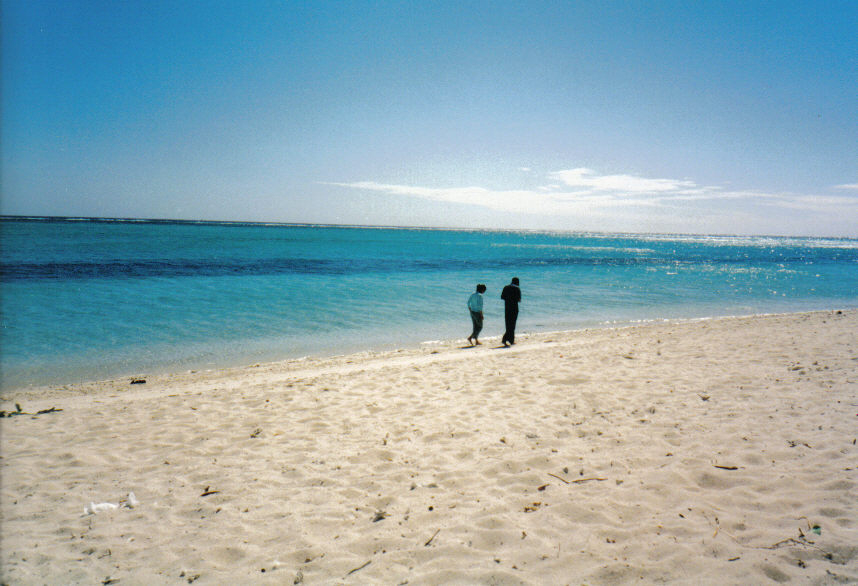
(477, 320)
(510, 315)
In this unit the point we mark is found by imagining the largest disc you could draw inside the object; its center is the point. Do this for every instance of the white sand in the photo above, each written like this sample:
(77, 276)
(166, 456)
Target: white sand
(701, 452)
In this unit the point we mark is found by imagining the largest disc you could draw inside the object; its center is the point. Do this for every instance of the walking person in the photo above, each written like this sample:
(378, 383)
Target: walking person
(511, 295)
(475, 306)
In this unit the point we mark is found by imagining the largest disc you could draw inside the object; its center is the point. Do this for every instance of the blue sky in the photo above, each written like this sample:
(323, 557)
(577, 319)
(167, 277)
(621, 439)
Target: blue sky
(698, 117)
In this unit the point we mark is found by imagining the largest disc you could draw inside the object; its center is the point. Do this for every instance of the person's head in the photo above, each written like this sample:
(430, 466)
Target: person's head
(515, 280)
(481, 288)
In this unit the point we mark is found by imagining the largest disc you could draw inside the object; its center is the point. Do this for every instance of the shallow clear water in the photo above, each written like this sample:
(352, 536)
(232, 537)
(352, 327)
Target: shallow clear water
(84, 300)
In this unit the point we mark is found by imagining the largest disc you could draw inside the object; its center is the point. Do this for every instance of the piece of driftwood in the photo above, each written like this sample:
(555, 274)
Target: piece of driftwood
(51, 410)
(20, 411)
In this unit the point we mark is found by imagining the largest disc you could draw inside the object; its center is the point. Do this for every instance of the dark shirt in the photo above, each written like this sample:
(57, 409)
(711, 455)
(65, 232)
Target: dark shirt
(511, 294)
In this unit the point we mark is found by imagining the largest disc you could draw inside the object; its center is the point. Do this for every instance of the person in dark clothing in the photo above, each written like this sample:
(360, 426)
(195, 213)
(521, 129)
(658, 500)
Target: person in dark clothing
(511, 295)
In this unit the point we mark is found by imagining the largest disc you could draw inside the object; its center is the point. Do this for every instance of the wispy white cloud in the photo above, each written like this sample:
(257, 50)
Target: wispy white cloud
(583, 192)
(589, 179)
(847, 186)
(520, 201)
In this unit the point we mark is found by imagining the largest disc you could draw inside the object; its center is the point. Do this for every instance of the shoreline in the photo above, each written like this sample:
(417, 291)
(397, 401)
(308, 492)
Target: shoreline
(91, 303)
(711, 451)
(36, 391)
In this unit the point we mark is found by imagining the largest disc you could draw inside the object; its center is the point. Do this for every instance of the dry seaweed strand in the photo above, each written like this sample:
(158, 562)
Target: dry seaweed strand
(359, 568)
(431, 538)
(801, 540)
(576, 481)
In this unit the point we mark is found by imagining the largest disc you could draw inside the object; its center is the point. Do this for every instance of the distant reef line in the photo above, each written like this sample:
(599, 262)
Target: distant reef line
(249, 224)
(108, 220)
(246, 223)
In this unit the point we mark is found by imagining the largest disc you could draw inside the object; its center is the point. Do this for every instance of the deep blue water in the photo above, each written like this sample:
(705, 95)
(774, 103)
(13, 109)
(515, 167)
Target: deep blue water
(85, 299)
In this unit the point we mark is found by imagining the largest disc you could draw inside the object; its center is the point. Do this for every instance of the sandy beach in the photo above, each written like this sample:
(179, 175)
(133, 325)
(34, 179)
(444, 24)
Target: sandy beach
(718, 451)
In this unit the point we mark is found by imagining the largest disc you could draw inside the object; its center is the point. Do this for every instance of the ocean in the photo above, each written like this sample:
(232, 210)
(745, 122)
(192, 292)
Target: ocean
(84, 299)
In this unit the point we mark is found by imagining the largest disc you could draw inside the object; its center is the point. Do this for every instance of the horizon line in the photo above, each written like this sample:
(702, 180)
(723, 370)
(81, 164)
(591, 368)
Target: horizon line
(261, 223)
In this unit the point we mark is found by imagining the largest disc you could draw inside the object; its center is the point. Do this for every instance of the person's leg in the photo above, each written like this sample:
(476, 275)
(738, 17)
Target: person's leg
(475, 330)
(509, 320)
(511, 326)
(478, 326)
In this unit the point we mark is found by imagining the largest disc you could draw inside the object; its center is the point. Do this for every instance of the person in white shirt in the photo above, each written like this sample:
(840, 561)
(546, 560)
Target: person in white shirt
(475, 305)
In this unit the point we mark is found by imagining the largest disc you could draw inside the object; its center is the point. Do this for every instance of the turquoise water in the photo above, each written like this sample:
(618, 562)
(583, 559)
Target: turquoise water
(84, 299)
